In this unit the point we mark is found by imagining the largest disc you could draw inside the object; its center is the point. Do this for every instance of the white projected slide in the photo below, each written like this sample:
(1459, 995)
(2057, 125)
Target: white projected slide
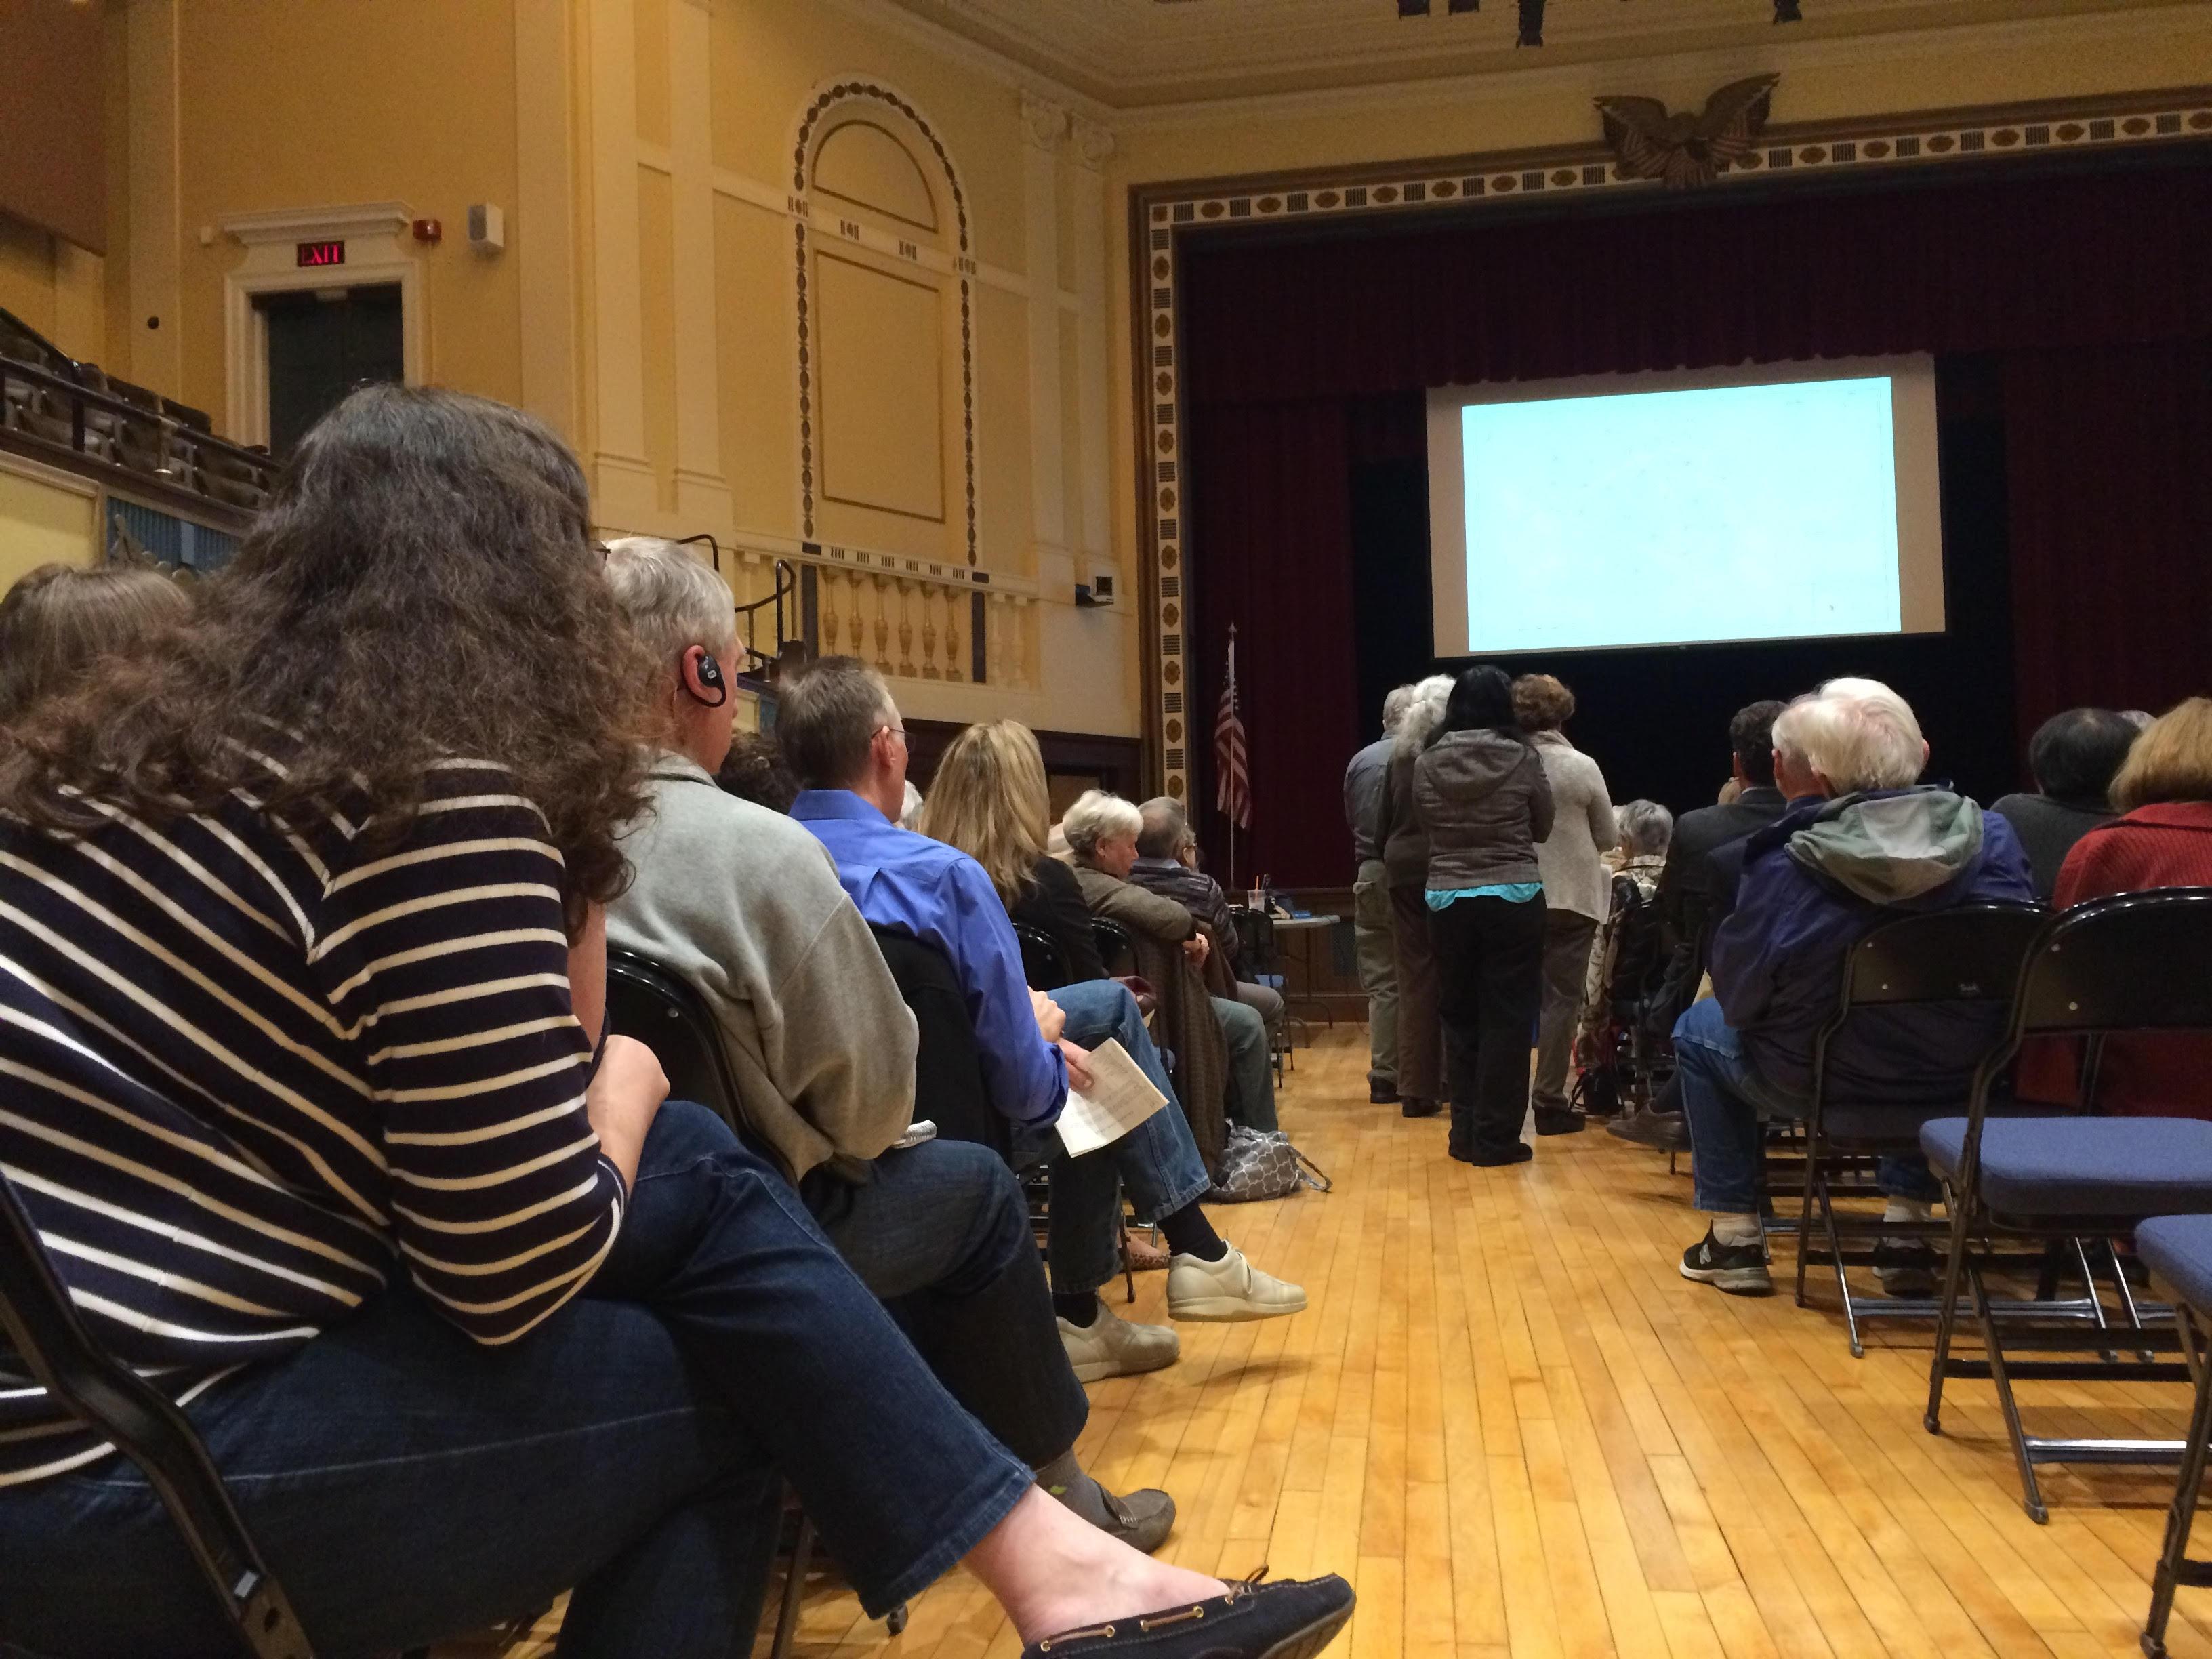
(1791, 501)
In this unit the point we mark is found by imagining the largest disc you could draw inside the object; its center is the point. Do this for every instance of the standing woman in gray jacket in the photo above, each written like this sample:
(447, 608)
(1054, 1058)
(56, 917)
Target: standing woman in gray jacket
(1578, 888)
(1480, 792)
(1406, 872)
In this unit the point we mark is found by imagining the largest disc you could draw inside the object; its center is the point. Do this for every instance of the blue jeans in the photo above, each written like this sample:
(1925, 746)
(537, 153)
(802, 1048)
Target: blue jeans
(408, 1485)
(1724, 1098)
(1251, 1064)
(1158, 1159)
(940, 1232)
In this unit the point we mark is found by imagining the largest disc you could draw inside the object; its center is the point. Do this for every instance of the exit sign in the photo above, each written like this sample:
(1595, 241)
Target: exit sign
(321, 253)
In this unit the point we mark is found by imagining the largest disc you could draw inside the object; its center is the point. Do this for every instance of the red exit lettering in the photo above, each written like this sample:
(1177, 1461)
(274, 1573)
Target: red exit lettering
(322, 253)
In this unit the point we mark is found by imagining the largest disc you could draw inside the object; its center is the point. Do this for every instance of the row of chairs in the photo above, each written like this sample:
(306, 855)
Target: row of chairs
(2041, 1189)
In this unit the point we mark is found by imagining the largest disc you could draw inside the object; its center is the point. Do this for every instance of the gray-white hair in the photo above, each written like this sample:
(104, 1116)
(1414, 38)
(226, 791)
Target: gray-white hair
(1394, 706)
(1099, 815)
(1789, 739)
(910, 807)
(1859, 734)
(1646, 828)
(1426, 714)
(671, 600)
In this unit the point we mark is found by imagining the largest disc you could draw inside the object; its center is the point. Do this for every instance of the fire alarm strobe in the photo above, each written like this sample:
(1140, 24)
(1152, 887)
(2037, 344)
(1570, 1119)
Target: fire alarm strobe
(429, 230)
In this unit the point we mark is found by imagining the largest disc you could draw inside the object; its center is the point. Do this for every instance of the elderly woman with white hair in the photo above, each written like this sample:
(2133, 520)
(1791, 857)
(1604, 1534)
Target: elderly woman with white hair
(1173, 947)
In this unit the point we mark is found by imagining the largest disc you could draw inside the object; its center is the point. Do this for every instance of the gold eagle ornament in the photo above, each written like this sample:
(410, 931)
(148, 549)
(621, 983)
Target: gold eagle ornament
(1685, 150)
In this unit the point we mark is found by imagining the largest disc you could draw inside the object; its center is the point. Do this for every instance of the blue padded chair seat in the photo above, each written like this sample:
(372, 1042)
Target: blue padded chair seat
(2179, 1248)
(2128, 1167)
(1901, 1123)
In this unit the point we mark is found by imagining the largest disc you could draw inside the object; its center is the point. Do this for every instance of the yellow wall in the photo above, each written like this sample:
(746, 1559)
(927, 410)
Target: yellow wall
(271, 106)
(55, 287)
(44, 519)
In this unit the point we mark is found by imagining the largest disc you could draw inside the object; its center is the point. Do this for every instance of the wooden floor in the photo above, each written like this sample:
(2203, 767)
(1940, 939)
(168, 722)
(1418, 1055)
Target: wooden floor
(1518, 1430)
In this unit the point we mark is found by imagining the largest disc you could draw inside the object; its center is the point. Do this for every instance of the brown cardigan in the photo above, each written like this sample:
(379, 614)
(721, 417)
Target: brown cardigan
(1187, 1023)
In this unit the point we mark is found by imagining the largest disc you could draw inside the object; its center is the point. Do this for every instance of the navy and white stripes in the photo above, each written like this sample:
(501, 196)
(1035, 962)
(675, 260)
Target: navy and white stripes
(243, 1072)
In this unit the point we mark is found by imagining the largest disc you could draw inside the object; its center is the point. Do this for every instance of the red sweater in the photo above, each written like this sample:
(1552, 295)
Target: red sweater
(2159, 1075)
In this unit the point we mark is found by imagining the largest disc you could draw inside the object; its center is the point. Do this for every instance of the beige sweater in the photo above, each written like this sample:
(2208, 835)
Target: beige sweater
(744, 904)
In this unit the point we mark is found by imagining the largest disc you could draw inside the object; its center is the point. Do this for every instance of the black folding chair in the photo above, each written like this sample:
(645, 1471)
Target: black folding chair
(2134, 961)
(2178, 1249)
(660, 1008)
(1967, 957)
(1115, 948)
(1044, 963)
(52, 1343)
(1260, 958)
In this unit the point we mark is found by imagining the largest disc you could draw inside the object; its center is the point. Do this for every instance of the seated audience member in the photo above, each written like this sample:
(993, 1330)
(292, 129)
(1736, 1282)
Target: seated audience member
(1697, 887)
(1875, 845)
(1102, 832)
(2162, 838)
(1578, 889)
(1378, 953)
(1404, 844)
(1167, 864)
(1645, 828)
(745, 905)
(57, 622)
(2075, 756)
(909, 805)
(843, 734)
(465, 1318)
(755, 771)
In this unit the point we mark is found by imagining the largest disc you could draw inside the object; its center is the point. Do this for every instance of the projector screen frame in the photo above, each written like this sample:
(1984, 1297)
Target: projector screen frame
(1922, 598)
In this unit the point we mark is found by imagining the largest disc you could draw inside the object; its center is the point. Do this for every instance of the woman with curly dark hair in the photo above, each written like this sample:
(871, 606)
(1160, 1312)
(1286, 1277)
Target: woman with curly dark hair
(301, 976)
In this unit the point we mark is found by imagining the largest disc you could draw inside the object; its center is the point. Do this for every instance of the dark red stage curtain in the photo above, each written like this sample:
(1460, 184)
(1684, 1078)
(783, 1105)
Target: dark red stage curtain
(1274, 517)
(2108, 462)
(2072, 281)
(2042, 262)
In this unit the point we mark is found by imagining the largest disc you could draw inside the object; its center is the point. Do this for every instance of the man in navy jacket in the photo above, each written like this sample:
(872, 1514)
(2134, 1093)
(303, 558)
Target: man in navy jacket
(1873, 844)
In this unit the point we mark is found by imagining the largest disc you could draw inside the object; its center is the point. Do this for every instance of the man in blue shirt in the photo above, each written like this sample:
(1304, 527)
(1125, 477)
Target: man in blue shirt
(842, 733)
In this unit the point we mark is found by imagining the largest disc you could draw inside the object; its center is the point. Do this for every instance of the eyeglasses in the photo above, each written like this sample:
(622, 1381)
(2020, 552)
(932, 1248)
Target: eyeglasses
(898, 731)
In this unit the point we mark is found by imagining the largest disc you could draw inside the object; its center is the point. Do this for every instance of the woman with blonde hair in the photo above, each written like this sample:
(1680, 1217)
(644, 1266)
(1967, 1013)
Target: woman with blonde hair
(2162, 838)
(58, 621)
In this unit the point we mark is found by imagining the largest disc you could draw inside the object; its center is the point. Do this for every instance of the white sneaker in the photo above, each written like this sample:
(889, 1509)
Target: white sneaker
(1230, 1288)
(1112, 1347)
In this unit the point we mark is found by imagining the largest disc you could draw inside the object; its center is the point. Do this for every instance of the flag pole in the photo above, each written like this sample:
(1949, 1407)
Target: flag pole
(1233, 887)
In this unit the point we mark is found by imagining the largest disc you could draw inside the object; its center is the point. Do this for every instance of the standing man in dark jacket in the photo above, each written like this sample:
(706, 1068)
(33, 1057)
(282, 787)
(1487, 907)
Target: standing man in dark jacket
(1364, 782)
(1872, 846)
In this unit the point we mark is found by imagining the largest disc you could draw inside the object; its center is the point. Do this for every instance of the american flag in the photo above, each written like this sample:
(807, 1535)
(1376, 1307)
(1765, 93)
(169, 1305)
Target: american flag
(1232, 789)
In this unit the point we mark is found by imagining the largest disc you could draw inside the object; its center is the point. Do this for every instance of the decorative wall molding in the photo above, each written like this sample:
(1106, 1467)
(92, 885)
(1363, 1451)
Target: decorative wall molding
(1160, 214)
(827, 99)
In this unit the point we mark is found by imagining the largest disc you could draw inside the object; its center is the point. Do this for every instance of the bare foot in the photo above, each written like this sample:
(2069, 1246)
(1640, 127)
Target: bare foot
(1052, 1571)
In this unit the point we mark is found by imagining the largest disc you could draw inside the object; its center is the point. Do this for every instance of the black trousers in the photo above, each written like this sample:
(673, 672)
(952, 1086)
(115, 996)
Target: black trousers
(1489, 970)
(941, 1235)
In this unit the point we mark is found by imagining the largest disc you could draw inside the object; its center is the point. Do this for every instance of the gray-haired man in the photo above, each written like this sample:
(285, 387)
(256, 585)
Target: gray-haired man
(1371, 909)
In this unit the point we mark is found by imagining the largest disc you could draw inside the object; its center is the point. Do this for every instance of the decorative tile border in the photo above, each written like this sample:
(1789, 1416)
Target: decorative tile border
(844, 92)
(1160, 214)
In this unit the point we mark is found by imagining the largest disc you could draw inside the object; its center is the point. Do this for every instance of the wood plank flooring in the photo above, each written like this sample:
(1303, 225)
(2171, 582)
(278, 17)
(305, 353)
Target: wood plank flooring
(1507, 1418)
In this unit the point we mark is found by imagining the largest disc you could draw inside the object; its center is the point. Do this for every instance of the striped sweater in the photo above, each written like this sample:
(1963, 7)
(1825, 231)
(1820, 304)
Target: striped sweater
(247, 1076)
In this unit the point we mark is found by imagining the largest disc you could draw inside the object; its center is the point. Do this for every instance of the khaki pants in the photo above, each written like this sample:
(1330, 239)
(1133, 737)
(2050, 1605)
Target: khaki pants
(1567, 938)
(1372, 933)
(1421, 1038)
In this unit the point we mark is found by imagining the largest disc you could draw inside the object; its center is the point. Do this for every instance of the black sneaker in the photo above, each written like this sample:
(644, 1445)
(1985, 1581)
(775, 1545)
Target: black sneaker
(1907, 1268)
(1559, 1120)
(1380, 1093)
(1738, 1269)
(1295, 1618)
(1414, 1106)
(1519, 1151)
(1663, 1132)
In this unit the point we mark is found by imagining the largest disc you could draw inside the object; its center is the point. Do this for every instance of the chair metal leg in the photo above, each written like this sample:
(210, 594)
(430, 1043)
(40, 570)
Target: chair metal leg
(2031, 1492)
(894, 1621)
(2173, 1562)
(1947, 1317)
(1805, 1227)
(795, 1592)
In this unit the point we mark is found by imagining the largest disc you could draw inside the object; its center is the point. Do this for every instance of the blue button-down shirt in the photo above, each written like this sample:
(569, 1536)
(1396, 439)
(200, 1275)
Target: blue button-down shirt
(911, 884)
